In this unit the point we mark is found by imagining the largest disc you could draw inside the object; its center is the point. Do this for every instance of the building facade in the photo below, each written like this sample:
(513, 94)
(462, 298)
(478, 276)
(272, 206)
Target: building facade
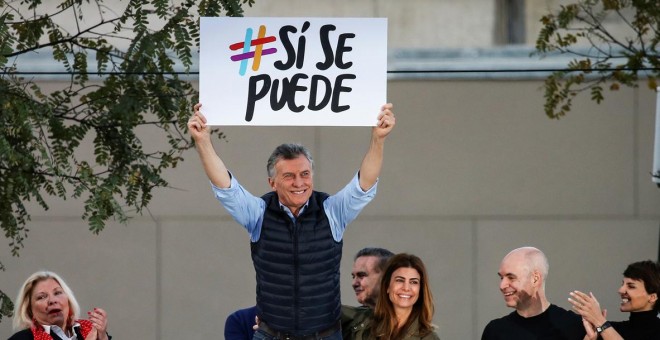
(473, 169)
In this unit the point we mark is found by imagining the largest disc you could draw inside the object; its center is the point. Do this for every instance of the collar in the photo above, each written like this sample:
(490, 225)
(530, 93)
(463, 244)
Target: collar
(647, 316)
(289, 212)
(543, 313)
(60, 332)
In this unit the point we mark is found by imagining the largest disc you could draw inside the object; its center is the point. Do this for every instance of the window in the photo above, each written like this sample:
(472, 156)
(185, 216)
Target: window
(509, 22)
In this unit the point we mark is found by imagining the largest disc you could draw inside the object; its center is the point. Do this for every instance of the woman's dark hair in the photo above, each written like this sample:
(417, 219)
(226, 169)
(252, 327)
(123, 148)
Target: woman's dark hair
(385, 324)
(649, 273)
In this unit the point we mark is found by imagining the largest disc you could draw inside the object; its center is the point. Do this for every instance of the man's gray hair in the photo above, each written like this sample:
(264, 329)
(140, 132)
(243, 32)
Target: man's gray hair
(287, 151)
(381, 253)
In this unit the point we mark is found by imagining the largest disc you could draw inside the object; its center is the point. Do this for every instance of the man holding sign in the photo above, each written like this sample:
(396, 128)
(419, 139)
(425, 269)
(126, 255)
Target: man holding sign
(295, 232)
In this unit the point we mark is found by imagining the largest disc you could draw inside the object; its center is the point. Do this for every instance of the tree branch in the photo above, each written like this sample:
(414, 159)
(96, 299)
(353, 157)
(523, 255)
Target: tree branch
(58, 42)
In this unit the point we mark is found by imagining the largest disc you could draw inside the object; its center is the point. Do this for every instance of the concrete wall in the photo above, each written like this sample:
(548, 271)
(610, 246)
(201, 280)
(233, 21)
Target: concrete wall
(426, 23)
(465, 23)
(472, 170)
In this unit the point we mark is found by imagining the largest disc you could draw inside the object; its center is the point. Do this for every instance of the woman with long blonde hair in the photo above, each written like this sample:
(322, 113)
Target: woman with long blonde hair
(46, 309)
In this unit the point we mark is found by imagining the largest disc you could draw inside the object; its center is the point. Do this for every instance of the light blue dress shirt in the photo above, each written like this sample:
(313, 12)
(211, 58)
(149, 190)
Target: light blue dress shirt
(248, 210)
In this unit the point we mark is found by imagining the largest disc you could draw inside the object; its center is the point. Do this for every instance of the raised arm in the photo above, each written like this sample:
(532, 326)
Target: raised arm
(373, 160)
(213, 166)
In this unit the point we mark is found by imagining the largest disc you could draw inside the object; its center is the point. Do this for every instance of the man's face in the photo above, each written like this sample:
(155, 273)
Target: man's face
(293, 182)
(517, 282)
(366, 280)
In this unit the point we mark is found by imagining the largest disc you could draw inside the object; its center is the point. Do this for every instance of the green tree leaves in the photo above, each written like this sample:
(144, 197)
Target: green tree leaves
(123, 85)
(604, 58)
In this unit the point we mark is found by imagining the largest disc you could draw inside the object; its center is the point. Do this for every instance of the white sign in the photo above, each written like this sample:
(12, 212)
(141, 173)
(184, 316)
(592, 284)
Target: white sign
(293, 71)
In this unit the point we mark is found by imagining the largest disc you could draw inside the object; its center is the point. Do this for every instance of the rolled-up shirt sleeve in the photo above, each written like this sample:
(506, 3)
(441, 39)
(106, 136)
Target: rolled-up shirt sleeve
(344, 206)
(245, 208)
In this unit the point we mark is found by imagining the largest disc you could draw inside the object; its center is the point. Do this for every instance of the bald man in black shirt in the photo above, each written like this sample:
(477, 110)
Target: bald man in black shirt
(522, 283)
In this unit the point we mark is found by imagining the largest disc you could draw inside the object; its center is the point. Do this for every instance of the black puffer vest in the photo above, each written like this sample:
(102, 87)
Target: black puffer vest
(297, 267)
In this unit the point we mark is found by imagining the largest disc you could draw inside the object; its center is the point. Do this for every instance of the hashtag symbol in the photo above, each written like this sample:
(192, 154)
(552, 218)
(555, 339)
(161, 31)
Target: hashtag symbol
(257, 53)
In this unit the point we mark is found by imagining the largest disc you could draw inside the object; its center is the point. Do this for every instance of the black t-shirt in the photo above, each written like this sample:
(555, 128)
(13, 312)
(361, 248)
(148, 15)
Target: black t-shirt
(640, 326)
(555, 323)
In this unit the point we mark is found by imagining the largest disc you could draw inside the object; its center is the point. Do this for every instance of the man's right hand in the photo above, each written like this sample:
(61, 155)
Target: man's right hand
(213, 166)
(197, 126)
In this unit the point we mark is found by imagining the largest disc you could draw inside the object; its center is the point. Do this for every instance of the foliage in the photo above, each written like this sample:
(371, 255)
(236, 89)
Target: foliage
(605, 58)
(121, 79)
(6, 306)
